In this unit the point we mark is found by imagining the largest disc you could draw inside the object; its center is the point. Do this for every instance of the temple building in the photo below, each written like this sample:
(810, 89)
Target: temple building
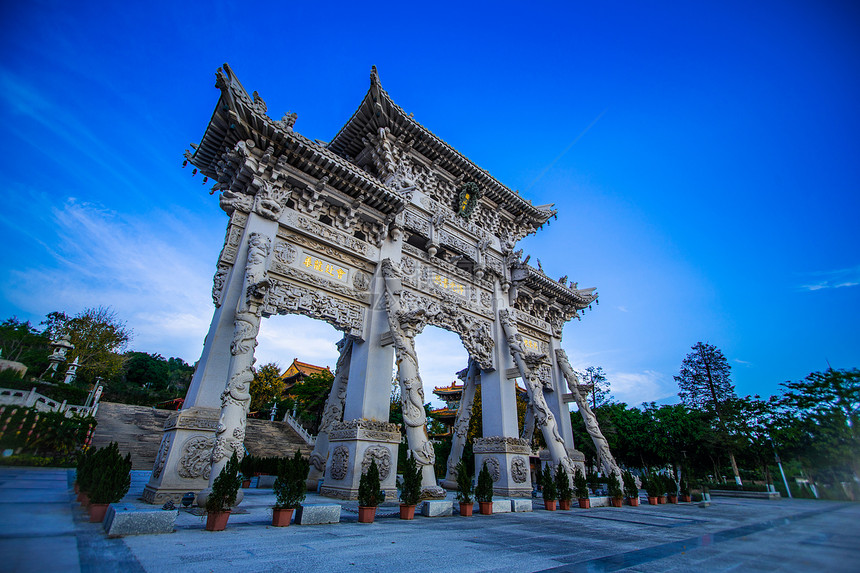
(298, 371)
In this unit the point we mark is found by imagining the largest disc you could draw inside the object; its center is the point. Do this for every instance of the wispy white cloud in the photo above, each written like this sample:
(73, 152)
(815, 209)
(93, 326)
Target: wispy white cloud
(622, 308)
(839, 278)
(742, 362)
(634, 388)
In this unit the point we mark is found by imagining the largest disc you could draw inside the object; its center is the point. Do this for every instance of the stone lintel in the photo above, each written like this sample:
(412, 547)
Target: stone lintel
(512, 373)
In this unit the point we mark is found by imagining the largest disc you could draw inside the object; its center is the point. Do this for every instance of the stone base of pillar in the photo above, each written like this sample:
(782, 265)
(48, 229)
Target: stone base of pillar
(352, 445)
(508, 462)
(183, 460)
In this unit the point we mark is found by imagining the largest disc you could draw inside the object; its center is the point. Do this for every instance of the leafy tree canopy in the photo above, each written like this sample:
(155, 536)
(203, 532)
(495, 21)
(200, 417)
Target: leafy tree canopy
(267, 386)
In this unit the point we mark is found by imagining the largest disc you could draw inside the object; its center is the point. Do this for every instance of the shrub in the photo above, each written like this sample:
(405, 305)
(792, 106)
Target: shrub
(225, 488)
(111, 475)
(290, 486)
(410, 493)
(484, 491)
(654, 485)
(562, 484)
(580, 484)
(593, 480)
(615, 491)
(464, 483)
(685, 487)
(550, 492)
(369, 492)
(630, 489)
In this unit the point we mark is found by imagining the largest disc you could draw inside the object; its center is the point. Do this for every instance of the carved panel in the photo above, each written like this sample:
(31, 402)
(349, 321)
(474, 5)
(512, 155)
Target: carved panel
(519, 469)
(493, 467)
(382, 456)
(196, 457)
(289, 298)
(161, 456)
(339, 462)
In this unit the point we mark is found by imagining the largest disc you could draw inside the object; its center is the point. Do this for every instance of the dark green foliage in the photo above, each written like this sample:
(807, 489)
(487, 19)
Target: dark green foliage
(550, 492)
(464, 483)
(411, 490)
(630, 489)
(84, 469)
(369, 492)
(44, 434)
(562, 484)
(685, 487)
(614, 487)
(580, 485)
(593, 480)
(484, 491)
(225, 488)
(22, 342)
(254, 465)
(442, 450)
(654, 485)
(110, 475)
(290, 487)
(310, 395)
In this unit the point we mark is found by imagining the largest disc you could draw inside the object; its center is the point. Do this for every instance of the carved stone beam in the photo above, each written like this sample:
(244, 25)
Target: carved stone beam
(591, 426)
(461, 423)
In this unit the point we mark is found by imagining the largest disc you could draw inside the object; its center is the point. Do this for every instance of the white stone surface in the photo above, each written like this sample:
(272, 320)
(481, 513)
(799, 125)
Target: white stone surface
(501, 506)
(317, 513)
(518, 505)
(437, 508)
(128, 520)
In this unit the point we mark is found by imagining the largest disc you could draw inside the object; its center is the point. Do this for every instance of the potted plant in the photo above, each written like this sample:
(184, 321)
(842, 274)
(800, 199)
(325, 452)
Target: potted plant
(464, 490)
(616, 494)
(225, 488)
(289, 488)
(370, 494)
(663, 483)
(110, 481)
(652, 487)
(672, 490)
(83, 474)
(630, 489)
(581, 489)
(410, 492)
(550, 492)
(562, 485)
(685, 490)
(484, 491)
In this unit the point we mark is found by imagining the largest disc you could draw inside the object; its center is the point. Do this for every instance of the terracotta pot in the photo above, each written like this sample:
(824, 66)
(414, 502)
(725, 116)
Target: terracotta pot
(634, 501)
(617, 501)
(97, 512)
(217, 520)
(407, 511)
(77, 488)
(564, 504)
(80, 496)
(661, 499)
(246, 483)
(685, 498)
(673, 499)
(584, 503)
(549, 504)
(366, 514)
(486, 507)
(282, 517)
(466, 509)
(652, 499)
(85, 499)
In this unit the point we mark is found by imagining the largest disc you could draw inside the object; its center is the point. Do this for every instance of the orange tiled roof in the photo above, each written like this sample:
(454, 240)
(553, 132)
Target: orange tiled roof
(298, 367)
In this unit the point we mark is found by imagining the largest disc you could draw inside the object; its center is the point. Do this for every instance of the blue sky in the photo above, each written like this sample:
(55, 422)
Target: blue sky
(703, 158)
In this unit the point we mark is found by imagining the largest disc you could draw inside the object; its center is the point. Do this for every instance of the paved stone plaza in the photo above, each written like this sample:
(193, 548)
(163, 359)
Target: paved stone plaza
(42, 528)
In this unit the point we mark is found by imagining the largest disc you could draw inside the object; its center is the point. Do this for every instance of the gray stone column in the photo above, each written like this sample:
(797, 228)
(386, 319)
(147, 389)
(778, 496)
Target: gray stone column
(461, 424)
(333, 413)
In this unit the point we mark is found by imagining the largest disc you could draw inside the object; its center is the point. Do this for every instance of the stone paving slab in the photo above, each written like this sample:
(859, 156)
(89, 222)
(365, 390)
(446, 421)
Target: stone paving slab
(732, 534)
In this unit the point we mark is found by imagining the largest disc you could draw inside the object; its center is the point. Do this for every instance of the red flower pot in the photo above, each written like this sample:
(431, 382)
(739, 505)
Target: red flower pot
(486, 507)
(217, 520)
(617, 501)
(661, 499)
(685, 498)
(673, 499)
(584, 503)
(85, 499)
(652, 499)
(246, 483)
(466, 509)
(564, 504)
(282, 517)
(97, 512)
(549, 504)
(634, 501)
(407, 511)
(366, 514)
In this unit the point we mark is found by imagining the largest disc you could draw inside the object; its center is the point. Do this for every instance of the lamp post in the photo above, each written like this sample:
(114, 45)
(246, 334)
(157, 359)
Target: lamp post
(779, 463)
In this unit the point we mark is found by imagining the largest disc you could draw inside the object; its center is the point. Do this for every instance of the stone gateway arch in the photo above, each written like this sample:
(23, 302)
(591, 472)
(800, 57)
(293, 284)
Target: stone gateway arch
(381, 232)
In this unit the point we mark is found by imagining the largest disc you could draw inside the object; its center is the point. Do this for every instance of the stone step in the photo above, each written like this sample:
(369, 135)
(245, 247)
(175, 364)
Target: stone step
(138, 429)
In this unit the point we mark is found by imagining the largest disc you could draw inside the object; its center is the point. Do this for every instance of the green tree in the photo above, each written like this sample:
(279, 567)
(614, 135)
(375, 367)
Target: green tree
(310, 395)
(267, 386)
(22, 342)
(704, 382)
(99, 336)
(146, 370)
(599, 394)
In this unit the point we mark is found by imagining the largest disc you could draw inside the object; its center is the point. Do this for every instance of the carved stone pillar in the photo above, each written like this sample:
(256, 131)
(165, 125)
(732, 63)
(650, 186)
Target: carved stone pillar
(528, 424)
(508, 462)
(529, 364)
(352, 445)
(404, 326)
(183, 461)
(461, 424)
(333, 413)
(607, 461)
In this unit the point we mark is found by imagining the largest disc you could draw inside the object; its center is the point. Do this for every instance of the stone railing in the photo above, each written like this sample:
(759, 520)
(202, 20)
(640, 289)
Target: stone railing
(32, 399)
(304, 434)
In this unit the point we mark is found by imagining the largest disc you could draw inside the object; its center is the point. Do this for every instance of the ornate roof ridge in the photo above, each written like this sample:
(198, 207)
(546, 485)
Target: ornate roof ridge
(538, 215)
(582, 297)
